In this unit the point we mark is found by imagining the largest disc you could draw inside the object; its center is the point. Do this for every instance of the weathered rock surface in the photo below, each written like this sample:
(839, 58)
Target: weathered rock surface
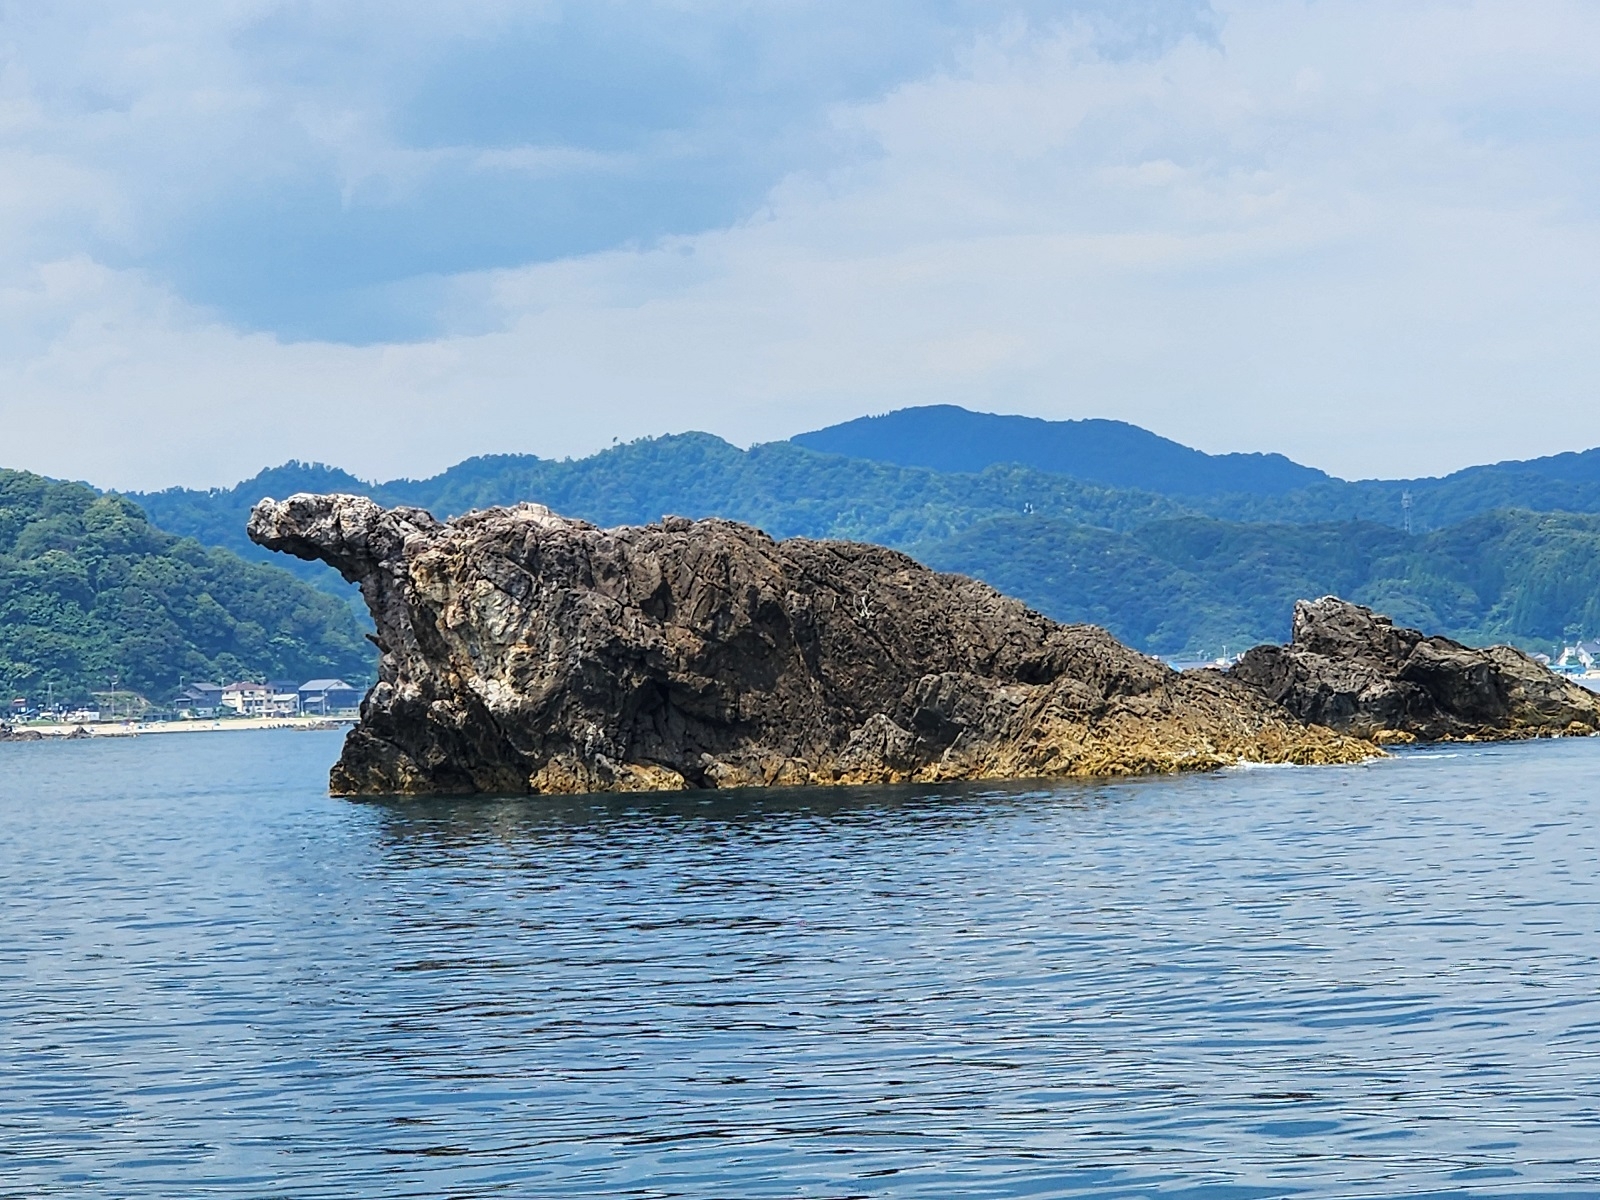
(1353, 670)
(525, 652)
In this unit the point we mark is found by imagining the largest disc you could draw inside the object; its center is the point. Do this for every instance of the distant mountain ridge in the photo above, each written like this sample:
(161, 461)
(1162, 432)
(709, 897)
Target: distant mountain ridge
(1253, 487)
(1492, 553)
(948, 438)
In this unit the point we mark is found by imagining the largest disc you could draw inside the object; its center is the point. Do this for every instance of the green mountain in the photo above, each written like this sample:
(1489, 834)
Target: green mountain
(1500, 552)
(93, 597)
(1236, 487)
(1114, 453)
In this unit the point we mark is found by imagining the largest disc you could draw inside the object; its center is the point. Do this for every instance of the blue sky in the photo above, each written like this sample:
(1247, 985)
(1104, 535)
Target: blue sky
(393, 235)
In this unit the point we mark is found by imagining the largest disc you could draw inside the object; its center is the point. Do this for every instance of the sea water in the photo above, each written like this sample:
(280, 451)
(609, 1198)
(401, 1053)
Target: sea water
(1359, 981)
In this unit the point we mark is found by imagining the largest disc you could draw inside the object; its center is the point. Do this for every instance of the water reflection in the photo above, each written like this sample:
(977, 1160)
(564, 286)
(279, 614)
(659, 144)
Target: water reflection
(442, 822)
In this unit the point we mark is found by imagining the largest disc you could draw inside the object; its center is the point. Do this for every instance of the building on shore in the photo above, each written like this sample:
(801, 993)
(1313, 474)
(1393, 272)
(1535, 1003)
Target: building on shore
(1583, 656)
(199, 701)
(246, 699)
(261, 700)
(285, 700)
(324, 696)
(274, 698)
(1580, 663)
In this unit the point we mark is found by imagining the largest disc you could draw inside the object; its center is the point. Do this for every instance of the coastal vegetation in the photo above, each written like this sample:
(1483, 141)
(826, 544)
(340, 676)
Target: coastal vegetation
(94, 599)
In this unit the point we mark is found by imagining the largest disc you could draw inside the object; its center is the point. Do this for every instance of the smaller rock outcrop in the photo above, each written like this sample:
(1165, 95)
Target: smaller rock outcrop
(1354, 670)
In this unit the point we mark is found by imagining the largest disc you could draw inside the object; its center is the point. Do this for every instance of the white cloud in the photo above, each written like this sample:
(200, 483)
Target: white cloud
(1365, 235)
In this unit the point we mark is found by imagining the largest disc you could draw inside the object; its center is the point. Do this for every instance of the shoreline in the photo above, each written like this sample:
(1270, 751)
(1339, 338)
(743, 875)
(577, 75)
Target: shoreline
(101, 729)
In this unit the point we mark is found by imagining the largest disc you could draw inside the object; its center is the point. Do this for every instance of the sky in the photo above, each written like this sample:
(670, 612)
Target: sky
(389, 236)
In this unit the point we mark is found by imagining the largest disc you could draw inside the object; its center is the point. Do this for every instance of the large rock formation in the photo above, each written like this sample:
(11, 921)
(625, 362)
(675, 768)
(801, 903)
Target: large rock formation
(1350, 669)
(524, 652)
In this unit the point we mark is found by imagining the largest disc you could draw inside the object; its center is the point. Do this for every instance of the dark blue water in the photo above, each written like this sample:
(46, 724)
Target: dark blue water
(1372, 981)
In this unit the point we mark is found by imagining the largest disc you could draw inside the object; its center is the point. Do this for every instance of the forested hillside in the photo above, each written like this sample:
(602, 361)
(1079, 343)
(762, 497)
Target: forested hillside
(1197, 585)
(1496, 554)
(1561, 483)
(784, 489)
(91, 596)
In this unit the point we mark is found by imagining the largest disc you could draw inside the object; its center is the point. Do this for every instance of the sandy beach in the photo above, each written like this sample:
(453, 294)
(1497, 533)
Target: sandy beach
(139, 728)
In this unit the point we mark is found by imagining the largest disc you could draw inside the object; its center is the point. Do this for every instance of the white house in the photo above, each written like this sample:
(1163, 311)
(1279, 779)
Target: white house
(247, 699)
(282, 704)
(1585, 656)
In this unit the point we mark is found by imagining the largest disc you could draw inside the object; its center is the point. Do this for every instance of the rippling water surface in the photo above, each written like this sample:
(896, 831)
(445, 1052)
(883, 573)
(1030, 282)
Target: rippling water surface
(1368, 981)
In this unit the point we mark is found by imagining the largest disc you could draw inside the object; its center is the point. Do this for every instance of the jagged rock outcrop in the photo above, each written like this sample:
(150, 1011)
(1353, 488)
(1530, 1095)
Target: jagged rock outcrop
(525, 652)
(1353, 670)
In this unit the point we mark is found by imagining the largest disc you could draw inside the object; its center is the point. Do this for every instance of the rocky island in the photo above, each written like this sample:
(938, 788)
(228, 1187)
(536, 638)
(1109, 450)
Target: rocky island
(522, 651)
(1353, 670)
